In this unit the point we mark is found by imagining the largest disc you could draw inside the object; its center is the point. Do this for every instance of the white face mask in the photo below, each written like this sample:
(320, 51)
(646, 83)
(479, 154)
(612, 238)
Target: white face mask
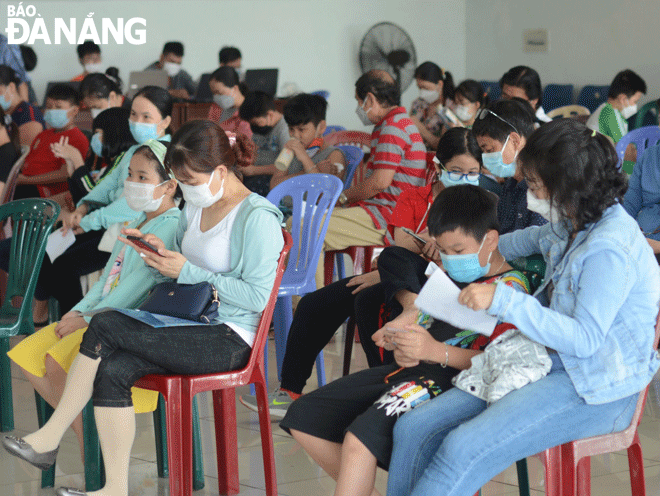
(429, 96)
(628, 111)
(200, 196)
(463, 113)
(94, 68)
(172, 68)
(95, 112)
(542, 207)
(140, 196)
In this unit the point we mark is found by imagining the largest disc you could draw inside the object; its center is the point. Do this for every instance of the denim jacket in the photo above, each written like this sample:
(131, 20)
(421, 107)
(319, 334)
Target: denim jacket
(604, 301)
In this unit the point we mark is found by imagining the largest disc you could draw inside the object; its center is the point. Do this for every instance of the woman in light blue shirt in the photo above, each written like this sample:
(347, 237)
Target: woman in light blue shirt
(595, 312)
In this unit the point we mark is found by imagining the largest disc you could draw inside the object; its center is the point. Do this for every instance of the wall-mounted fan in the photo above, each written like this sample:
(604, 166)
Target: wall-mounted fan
(388, 47)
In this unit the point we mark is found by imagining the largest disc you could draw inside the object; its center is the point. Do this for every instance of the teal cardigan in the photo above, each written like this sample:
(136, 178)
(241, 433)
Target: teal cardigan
(107, 197)
(136, 279)
(256, 243)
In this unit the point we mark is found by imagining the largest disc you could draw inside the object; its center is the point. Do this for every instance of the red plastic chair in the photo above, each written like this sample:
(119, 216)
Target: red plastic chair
(355, 138)
(179, 390)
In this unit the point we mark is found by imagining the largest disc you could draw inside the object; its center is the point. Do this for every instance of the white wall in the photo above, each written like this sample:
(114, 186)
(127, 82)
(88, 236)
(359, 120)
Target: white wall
(590, 40)
(313, 42)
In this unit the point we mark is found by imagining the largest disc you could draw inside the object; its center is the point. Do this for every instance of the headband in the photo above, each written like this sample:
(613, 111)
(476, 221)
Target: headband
(159, 150)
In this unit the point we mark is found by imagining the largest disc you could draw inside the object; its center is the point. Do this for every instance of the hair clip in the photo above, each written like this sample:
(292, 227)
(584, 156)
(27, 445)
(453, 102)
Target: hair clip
(231, 137)
(593, 135)
(8, 120)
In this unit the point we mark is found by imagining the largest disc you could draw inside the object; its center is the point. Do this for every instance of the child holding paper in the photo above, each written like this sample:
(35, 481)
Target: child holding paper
(346, 426)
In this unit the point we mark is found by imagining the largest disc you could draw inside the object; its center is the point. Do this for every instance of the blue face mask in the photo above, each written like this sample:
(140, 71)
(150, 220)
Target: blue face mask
(456, 178)
(465, 268)
(4, 103)
(143, 131)
(56, 118)
(495, 163)
(96, 145)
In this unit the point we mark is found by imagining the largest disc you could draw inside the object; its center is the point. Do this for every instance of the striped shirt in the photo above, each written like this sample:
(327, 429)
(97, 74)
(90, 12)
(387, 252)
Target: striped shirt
(395, 145)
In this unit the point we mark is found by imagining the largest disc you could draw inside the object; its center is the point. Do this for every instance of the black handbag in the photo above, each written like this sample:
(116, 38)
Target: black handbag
(198, 302)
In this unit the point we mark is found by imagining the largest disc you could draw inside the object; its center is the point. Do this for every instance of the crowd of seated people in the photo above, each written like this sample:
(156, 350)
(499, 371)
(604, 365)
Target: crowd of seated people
(456, 183)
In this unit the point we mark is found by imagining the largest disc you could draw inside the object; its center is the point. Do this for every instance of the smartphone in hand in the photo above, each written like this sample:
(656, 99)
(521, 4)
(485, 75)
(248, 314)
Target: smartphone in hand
(140, 243)
(412, 233)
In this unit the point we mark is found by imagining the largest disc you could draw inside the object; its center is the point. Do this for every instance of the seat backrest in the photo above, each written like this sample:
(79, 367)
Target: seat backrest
(313, 197)
(33, 221)
(647, 115)
(333, 129)
(557, 95)
(10, 185)
(592, 96)
(354, 138)
(354, 156)
(569, 111)
(642, 138)
(324, 93)
(492, 90)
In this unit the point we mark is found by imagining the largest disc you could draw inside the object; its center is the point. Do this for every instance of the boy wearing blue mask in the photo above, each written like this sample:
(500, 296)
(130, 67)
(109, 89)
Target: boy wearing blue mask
(502, 130)
(347, 425)
(44, 174)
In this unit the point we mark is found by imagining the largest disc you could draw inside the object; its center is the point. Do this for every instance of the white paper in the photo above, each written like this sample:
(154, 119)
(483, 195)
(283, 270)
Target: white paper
(58, 244)
(439, 299)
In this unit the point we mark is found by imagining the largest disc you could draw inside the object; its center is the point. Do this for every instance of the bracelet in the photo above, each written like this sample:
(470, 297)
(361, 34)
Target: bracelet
(444, 365)
(343, 199)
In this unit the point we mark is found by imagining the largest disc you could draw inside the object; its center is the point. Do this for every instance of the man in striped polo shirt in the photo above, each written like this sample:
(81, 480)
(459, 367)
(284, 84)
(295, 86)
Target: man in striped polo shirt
(397, 163)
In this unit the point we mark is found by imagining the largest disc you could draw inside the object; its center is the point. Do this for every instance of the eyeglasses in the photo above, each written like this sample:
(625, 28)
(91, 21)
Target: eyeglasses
(483, 113)
(457, 176)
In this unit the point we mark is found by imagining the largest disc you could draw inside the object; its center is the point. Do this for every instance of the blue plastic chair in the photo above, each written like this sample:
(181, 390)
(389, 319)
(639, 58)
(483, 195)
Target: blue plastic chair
(492, 89)
(642, 138)
(324, 93)
(557, 95)
(314, 197)
(333, 129)
(592, 96)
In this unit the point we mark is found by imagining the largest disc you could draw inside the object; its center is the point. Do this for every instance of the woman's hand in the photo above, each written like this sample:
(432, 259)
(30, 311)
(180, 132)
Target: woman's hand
(69, 325)
(71, 220)
(169, 263)
(415, 342)
(477, 296)
(364, 281)
(381, 339)
(404, 360)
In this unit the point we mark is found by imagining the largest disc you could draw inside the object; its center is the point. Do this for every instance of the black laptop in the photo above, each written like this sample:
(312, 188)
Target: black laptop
(262, 80)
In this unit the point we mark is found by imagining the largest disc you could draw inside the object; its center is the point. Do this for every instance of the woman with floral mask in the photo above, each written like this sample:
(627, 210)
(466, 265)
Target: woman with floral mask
(228, 96)
(45, 356)
(27, 117)
(595, 313)
(227, 236)
(430, 111)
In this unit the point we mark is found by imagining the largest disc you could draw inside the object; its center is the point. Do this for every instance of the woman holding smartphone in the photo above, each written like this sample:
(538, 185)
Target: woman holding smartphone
(227, 236)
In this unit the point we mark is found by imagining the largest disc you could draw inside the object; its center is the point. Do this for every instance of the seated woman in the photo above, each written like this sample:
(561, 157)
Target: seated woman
(102, 91)
(27, 117)
(400, 268)
(45, 357)
(469, 97)
(436, 94)
(228, 96)
(112, 137)
(103, 207)
(595, 313)
(227, 236)
(346, 426)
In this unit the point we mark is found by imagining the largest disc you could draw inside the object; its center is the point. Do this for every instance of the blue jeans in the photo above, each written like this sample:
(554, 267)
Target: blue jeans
(453, 444)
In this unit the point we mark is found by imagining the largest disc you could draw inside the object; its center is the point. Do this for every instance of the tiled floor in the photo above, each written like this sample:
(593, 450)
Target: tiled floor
(297, 474)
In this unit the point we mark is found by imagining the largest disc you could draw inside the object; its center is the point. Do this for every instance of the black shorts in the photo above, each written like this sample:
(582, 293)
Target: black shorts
(365, 405)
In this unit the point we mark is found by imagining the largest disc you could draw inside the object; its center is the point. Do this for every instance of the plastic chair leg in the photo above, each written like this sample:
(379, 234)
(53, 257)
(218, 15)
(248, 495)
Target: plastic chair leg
(636, 464)
(160, 434)
(224, 409)
(282, 317)
(320, 369)
(94, 469)
(44, 411)
(198, 456)
(341, 271)
(267, 444)
(6, 400)
(523, 477)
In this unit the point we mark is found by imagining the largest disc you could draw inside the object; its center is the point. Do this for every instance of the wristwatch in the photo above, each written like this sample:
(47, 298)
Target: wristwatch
(343, 199)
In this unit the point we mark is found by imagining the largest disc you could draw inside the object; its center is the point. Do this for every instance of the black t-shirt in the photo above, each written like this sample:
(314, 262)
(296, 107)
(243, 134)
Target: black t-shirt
(8, 158)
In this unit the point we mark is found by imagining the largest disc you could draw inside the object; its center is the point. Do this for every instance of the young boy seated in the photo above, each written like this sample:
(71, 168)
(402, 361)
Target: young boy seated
(502, 130)
(346, 426)
(44, 174)
(89, 56)
(270, 135)
(610, 118)
(231, 56)
(181, 83)
(305, 116)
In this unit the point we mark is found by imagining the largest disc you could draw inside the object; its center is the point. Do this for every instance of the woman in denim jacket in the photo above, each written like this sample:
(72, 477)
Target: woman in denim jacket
(595, 312)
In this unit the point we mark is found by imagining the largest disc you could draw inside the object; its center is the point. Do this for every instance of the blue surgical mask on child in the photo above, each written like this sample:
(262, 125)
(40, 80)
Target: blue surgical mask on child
(96, 145)
(143, 131)
(447, 179)
(56, 118)
(495, 163)
(4, 102)
(465, 268)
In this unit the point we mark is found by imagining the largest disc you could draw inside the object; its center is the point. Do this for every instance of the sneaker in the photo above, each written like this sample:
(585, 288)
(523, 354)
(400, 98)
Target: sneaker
(278, 403)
